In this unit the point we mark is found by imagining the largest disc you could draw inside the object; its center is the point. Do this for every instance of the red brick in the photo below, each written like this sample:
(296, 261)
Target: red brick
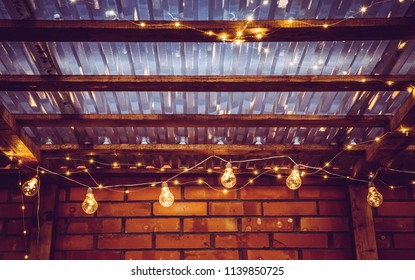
(4, 193)
(152, 255)
(152, 225)
(403, 240)
(235, 208)
(324, 224)
(267, 224)
(210, 225)
(245, 240)
(72, 210)
(181, 209)
(394, 224)
(183, 241)
(211, 255)
(383, 241)
(16, 226)
(13, 255)
(333, 208)
(151, 193)
(12, 243)
(124, 209)
(343, 240)
(15, 210)
(293, 208)
(403, 208)
(78, 194)
(93, 226)
(205, 193)
(122, 241)
(266, 193)
(271, 255)
(396, 254)
(328, 255)
(300, 240)
(323, 192)
(74, 242)
(97, 255)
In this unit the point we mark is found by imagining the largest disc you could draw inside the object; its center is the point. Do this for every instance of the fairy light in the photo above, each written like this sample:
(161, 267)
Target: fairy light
(256, 172)
(209, 170)
(23, 207)
(349, 147)
(325, 25)
(279, 176)
(363, 9)
(67, 173)
(26, 257)
(276, 168)
(392, 187)
(127, 191)
(325, 177)
(259, 36)
(68, 158)
(142, 24)
(251, 181)
(100, 186)
(239, 33)
(210, 33)
(115, 164)
(177, 24)
(250, 18)
(91, 160)
(223, 37)
(162, 169)
(377, 139)
(86, 170)
(19, 161)
(176, 182)
(327, 164)
(139, 164)
(225, 190)
(363, 80)
(389, 83)
(200, 181)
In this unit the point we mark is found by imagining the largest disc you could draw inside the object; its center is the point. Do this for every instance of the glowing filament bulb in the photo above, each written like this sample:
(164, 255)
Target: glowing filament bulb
(374, 198)
(90, 205)
(31, 187)
(166, 198)
(293, 181)
(228, 179)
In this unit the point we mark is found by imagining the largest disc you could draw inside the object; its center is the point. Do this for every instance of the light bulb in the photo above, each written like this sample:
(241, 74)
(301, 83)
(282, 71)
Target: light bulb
(374, 198)
(90, 205)
(31, 187)
(294, 180)
(228, 179)
(166, 198)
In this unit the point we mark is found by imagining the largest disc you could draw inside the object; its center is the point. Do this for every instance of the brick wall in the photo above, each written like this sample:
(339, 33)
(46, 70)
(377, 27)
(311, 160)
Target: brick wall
(262, 221)
(14, 245)
(395, 224)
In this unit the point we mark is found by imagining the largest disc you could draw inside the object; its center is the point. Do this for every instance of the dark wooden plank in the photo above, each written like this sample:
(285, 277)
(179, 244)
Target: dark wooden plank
(364, 231)
(192, 149)
(199, 120)
(212, 83)
(198, 31)
(15, 141)
(41, 238)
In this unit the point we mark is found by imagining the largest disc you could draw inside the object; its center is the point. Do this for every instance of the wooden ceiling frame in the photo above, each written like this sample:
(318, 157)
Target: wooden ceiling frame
(208, 31)
(210, 83)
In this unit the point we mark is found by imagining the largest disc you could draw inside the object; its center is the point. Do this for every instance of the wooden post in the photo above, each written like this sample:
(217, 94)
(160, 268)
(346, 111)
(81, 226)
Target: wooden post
(364, 231)
(41, 239)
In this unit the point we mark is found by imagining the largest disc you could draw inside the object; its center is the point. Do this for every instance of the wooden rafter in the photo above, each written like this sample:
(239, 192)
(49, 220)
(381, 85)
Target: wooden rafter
(198, 31)
(15, 141)
(211, 83)
(198, 120)
(192, 149)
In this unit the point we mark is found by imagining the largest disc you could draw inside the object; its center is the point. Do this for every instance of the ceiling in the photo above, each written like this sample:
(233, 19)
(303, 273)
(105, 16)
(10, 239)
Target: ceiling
(164, 84)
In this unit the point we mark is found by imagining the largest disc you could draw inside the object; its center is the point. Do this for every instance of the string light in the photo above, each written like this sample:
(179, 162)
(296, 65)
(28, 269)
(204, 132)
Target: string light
(293, 181)
(166, 198)
(363, 9)
(228, 178)
(31, 187)
(90, 205)
(374, 198)
(67, 173)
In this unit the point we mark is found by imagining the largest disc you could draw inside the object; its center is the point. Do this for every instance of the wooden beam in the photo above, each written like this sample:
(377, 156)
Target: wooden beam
(363, 228)
(199, 31)
(14, 141)
(199, 120)
(41, 238)
(192, 149)
(210, 83)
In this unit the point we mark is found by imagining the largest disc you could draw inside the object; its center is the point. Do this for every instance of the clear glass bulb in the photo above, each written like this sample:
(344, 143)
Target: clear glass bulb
(374, 198)
(228, 178)
(31, 187)
(294, 180)
(166, 198)
(90, 205)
